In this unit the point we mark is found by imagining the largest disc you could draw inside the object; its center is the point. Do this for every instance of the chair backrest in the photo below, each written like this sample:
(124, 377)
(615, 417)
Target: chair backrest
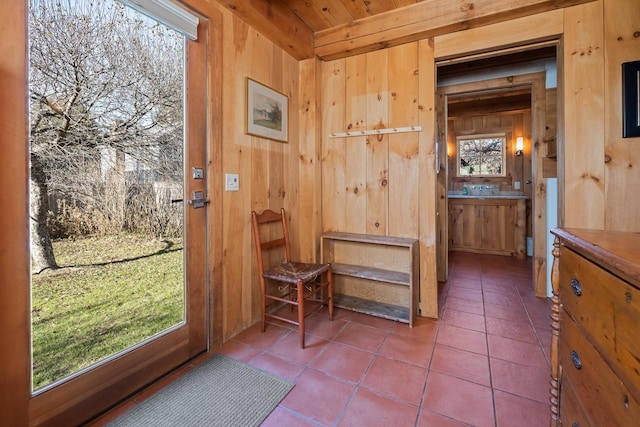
(265, 240)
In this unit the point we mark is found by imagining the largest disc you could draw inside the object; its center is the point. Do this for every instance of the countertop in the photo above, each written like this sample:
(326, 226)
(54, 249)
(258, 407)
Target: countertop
(487, 196)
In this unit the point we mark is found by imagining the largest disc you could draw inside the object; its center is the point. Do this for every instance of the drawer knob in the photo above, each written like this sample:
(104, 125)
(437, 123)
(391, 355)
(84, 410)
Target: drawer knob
(575, 424)
(575, 358)
(576, 286)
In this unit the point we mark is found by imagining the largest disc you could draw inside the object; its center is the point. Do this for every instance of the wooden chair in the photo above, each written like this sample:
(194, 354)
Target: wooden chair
(287, 282)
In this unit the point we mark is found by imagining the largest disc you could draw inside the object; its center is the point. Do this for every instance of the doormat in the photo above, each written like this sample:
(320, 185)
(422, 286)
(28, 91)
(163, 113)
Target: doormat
(220, 392)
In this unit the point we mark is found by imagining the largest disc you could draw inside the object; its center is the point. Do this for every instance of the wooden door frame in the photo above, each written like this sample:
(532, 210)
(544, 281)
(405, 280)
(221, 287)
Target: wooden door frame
(61, 404)
(536, 81)
(81, 397)
(15, 294)
(15, 306)
(442, 187)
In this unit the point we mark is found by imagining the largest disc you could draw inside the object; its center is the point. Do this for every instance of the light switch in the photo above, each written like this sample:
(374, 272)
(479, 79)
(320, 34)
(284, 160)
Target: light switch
(198, 173)
(231, 182)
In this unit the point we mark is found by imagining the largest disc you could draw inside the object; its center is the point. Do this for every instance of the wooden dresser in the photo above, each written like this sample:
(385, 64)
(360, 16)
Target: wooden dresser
(595, 346)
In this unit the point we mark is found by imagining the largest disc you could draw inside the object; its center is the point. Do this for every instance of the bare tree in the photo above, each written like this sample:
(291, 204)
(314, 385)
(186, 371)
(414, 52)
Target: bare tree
(101, 78)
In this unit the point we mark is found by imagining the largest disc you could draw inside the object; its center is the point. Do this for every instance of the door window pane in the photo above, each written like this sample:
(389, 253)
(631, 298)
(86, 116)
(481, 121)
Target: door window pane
(106, 124)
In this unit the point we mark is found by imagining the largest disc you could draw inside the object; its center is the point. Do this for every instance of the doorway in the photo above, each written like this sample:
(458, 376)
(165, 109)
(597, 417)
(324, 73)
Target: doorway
(480, 93)
(118, 164)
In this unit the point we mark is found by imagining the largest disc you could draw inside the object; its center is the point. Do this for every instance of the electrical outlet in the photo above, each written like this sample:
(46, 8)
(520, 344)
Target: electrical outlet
(231, 182)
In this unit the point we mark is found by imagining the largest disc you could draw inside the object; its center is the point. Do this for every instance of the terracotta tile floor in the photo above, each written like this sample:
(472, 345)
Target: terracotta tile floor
(483, 363)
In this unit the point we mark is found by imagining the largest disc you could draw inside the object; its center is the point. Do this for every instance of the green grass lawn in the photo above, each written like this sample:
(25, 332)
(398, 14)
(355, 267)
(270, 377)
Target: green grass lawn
(111, 293)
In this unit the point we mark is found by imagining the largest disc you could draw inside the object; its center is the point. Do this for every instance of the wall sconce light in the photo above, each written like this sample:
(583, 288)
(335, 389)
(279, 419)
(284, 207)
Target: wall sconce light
(519, 145)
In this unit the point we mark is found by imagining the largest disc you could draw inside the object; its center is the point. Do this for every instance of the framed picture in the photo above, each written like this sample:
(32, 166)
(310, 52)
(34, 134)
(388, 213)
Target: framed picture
(267, 112)
(631, 99)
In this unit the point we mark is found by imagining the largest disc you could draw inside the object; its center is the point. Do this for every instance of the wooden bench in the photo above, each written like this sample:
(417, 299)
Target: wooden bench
(376, 275)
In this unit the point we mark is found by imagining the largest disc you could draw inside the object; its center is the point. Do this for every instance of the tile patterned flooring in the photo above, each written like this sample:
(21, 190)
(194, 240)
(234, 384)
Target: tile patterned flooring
(485, 362)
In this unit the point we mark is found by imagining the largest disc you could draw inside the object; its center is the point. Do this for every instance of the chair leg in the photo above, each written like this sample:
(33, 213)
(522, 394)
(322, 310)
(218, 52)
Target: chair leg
(292, 297)
(263, 306)
(301, 312)
(330, 293)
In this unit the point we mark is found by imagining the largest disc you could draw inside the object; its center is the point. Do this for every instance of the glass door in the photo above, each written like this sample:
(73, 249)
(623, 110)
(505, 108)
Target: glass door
(118, 255)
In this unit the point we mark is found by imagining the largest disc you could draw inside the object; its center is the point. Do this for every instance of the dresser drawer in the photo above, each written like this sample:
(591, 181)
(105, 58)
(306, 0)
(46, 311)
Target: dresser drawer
(572, 414)
(601, 393)
(608, 309)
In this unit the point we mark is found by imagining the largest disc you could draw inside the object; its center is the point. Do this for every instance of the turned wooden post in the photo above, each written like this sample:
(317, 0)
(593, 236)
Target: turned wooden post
(555, 330)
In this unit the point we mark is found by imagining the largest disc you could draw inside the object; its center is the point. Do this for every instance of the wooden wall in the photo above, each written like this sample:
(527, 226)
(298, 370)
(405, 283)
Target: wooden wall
(269, 170)
(382, 184)
(621, 156)
(599, 171)
(600, 176)
(512, 124)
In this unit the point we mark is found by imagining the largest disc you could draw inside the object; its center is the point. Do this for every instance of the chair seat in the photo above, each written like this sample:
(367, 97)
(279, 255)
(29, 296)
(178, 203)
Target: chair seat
(291, 272)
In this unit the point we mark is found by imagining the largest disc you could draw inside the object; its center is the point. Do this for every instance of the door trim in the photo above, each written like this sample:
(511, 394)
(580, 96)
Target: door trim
(536, 81)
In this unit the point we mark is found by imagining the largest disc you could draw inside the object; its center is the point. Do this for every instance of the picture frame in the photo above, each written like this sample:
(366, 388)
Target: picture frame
(267, 112)
(631, 99)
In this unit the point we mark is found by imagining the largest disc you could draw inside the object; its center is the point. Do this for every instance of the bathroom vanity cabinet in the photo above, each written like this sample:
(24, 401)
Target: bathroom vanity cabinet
(488, 224)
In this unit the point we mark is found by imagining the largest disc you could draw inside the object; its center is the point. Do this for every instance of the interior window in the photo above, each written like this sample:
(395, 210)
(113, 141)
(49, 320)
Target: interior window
(481, 155)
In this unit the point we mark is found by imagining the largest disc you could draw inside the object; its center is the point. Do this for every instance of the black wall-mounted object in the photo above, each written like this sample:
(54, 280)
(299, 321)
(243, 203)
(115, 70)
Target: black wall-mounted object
(631, 99)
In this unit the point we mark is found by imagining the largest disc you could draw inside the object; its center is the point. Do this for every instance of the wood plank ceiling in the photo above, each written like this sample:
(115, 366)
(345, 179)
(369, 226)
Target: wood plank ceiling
(324, 14)
(331, 29)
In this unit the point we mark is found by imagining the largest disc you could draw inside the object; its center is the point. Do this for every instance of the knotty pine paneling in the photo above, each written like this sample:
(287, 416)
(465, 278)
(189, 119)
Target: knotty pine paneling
(597, 38)
(598, 170)
(513, 124)
(514, 32)
(269, 170)
(377, 158)
(334, 166)
(428, 186)
(404, 184)
(355, 208)
(584, 126)
(621, 155)
(356, 195)
(309, 194)
(375, 184)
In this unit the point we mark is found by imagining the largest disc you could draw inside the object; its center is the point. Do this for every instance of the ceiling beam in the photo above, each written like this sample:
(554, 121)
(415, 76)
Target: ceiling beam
(422, 20)
(477, 107)
(276, 22)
